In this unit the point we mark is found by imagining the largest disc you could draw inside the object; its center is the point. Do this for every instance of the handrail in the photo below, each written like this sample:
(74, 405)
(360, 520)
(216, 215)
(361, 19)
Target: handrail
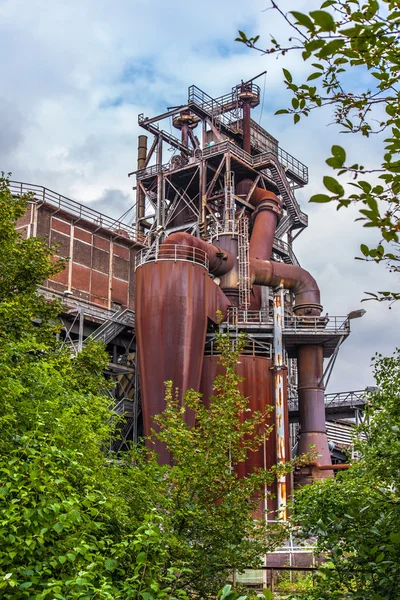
(297, 323)
(173, 253)
(79, 211)
(352, 399)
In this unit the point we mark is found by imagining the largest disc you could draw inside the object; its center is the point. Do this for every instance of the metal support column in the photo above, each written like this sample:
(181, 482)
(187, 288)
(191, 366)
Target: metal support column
(279, 369)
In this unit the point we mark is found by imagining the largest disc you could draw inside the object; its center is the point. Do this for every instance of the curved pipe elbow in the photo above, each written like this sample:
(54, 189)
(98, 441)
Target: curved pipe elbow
(259, 194)
(291, 277)
(220, 261)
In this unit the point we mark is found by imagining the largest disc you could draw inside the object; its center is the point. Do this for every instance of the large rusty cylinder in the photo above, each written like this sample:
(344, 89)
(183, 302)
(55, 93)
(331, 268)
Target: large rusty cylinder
(312, 403)
(174, 303)
(291, 277)
(229, 282)
(258, 386)
(311, 409)
(220, 261)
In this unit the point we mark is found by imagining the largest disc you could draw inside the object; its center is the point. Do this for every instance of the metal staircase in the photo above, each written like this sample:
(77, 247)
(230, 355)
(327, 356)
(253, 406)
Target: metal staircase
(112, 327)
(299, 219)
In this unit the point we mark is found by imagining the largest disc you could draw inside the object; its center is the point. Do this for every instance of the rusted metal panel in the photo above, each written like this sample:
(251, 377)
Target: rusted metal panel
(172, 300)
(258, 387)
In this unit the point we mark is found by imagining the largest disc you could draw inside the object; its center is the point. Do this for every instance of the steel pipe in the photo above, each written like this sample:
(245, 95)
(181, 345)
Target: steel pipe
(220, 261)
(291, 277)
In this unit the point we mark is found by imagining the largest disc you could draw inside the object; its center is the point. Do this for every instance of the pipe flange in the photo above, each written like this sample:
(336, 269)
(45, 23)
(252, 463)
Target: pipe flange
(308, 310)
(268, 204)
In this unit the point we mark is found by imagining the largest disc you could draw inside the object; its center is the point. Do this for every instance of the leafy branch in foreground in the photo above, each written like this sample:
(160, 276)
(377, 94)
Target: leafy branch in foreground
(355, 517)
(353, 52)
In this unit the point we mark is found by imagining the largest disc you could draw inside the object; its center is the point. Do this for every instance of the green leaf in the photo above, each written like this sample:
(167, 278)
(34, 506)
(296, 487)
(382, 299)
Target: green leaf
(320, 198)
(331, 48)
(226, 590)
(287, 75)
(333, 185)
(26, 585)
(110, 564)
(324, 20)
(282, 111)
(314, 76)
(296, 118)
(303, 20)
(339, 154)
(364, 249)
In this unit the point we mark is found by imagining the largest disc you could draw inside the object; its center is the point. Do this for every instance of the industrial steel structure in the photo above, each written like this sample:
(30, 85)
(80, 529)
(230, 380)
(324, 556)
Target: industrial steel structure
(219, 219)
(213, 231)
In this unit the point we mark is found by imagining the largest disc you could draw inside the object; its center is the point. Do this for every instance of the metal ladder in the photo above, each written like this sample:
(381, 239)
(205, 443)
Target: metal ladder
(244, 263)
(229, 216)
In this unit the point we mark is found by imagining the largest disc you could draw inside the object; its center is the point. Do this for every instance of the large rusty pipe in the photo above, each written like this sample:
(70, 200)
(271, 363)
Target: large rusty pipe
(268, 210)
(292, 277)
(310, 360)
(220, 261)
(307, 302)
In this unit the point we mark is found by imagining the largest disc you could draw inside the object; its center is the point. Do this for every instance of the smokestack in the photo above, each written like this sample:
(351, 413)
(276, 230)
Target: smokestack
(140, 198)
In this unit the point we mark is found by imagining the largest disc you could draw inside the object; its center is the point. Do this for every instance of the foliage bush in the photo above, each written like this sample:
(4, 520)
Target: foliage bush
(76, 522)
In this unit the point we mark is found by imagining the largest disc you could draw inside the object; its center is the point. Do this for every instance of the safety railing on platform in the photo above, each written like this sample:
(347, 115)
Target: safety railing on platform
(354, 399)
(153, 170)
(237, 316)
(251, 348)
(329, 323)
(77, 210)
(173, 253)
(284, 158)
(70, 301)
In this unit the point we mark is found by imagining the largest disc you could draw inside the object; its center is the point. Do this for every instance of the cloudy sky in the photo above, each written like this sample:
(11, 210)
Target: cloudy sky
(76, 74)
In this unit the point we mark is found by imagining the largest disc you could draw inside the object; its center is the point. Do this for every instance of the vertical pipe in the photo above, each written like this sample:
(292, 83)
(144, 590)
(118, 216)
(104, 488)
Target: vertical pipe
(140, 198)
(312, 407)
(185, 134)
(246, 126)
(279, 368)
(159, 181)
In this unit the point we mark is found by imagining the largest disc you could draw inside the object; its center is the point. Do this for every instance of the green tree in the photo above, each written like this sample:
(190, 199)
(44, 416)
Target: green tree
(76, 522)
(355, 517)
(66, 528)
(353, 52)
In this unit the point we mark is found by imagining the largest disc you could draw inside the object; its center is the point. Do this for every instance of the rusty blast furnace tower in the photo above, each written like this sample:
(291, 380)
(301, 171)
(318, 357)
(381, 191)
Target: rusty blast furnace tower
(219, 218)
